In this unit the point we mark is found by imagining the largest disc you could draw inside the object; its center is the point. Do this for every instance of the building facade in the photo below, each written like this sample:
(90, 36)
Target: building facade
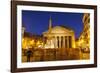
(59, 37)
(84, 39)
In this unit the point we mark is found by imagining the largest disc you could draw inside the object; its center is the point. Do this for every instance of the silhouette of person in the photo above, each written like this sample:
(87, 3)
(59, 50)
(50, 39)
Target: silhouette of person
(29, 54)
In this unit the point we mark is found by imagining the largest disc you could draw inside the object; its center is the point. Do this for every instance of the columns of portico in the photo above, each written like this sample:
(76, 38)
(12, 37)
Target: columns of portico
(56, 46)
(67, 41)
(63, 41)
(59, 41)
(63, 46)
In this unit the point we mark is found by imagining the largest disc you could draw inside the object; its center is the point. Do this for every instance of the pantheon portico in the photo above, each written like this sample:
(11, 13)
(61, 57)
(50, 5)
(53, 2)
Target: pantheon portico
(59, 37)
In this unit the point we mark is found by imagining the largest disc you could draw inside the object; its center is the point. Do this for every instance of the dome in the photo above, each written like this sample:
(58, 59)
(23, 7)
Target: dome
(59, 29)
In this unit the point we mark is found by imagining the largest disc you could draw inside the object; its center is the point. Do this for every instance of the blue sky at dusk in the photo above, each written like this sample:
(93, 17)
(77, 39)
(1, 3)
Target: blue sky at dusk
(36, 22)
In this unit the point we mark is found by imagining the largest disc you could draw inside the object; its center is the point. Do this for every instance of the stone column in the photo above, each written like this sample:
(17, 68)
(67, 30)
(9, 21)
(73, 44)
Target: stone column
(59, 41)
(63, 41)
(63, 49)
(56, 46)
(54, 41)
(67, 41)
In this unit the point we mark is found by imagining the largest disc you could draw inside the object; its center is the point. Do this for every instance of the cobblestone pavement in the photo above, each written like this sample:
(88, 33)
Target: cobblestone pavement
(52, 55)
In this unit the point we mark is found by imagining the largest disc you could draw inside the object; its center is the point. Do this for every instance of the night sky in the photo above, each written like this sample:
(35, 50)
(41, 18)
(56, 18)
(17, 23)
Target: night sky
(36, 22)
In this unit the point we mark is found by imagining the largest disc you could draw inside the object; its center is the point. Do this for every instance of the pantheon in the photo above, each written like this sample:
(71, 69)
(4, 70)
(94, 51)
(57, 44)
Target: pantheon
(59, 37)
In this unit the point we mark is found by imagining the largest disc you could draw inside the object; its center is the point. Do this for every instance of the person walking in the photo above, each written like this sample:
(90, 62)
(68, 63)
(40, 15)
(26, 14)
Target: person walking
(29, 54)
